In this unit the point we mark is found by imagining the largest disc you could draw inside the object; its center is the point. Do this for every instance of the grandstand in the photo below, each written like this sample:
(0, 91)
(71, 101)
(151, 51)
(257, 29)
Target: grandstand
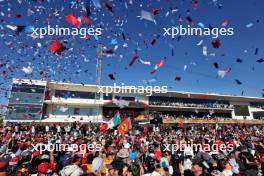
(34, 100)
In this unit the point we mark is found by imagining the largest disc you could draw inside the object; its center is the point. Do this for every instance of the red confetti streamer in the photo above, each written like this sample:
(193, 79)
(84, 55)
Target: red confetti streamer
(155, 11)
(86, 20)
(133, 60)
(70, 18)
(56, 47)
(109, 52)
(177, 78)
(108, 7)
(216, 43)
(225, 23)
(160, 64)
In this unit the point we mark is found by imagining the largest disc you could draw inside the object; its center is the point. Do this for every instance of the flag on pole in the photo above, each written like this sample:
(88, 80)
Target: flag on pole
(124, 127)
(111, 123)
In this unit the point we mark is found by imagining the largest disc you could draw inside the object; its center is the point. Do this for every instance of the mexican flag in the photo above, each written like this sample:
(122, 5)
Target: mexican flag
(124, 127)
(111, 123)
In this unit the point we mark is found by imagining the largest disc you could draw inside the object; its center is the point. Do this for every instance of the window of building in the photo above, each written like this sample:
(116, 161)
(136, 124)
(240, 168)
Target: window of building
(76, 111)
(125, 98)
(108, 96)
(25, 102)
(25, 108)
(26, 98)
(258, 115)
(257, 105)
(241, 110)
(61, 110)
(74, 94)
(28, 88)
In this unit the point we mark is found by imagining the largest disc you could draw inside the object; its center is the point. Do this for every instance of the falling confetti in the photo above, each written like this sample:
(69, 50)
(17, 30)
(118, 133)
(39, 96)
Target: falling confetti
(70, 18)
(56, 47)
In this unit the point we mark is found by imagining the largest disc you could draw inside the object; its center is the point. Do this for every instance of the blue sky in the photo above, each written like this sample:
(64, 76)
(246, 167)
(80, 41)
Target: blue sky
(77, 63)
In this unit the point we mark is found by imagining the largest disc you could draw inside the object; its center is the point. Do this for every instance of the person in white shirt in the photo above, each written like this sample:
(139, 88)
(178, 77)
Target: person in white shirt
(47, 128)
(16, 128)
(33, 130)
(68, 128)
(58, 129)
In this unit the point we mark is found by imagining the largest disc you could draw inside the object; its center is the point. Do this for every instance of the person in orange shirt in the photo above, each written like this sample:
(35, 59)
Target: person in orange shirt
(107, 158)
(87, 162)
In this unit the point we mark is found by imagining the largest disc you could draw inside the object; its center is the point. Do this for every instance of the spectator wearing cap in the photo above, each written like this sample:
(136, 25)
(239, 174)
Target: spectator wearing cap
(164, 163)
(73, 169)
(111, 170)
(198, 169)
(13, 160)
(46, 164)
(25, 166)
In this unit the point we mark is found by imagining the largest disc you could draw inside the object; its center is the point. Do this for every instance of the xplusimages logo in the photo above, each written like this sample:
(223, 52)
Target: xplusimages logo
(41, 32)
(67, 147)
(190, 147)
(197, 31)
(62, 31)
(124, 89)
(76, 30)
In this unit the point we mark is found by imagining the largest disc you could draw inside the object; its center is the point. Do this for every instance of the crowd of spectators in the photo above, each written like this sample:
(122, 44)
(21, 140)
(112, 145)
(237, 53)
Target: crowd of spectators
(206, 117)
(195, 105)
(257, 106)
(143, 151)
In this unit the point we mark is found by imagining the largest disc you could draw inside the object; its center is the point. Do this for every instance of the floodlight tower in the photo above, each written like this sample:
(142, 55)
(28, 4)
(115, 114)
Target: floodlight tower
(99, 75)
(99, 64)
